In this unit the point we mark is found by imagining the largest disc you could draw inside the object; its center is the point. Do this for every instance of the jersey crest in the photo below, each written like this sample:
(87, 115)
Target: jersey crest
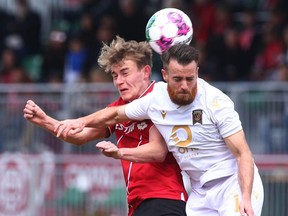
(197, 116)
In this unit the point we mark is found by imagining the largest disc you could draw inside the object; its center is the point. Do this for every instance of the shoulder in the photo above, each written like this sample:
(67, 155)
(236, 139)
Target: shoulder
(209, 90)
(160, 86)
(214, 97)
(159, 92)
(157, 89)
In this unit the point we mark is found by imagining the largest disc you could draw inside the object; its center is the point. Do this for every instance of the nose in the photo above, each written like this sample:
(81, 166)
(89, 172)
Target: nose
(184, 85)
(118, 80)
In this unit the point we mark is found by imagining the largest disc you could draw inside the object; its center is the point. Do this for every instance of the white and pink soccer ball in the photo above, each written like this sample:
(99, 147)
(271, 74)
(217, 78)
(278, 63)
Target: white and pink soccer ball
(167, 27)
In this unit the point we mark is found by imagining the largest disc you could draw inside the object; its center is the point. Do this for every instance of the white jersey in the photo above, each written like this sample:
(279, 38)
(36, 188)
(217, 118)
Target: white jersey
(194, 133)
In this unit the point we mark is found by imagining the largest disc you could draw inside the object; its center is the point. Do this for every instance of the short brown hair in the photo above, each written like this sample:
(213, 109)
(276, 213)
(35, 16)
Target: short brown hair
(119, 49)
(182, 53)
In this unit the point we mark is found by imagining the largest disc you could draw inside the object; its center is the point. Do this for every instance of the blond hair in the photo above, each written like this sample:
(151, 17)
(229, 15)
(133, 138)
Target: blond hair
(120, 50)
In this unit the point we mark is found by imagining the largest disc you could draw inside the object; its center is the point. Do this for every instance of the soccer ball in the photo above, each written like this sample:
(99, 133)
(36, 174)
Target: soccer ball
(167, 27)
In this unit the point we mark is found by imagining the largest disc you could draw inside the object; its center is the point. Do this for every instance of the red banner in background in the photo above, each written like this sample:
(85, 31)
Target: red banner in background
(46, 184)
(25, 180)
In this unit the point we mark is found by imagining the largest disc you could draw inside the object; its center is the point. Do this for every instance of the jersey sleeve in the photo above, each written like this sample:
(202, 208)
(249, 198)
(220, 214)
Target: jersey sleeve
(225, 116)
(138, 109)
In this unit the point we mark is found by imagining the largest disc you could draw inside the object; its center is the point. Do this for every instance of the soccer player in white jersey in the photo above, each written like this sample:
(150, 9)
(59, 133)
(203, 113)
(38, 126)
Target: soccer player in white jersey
(202, 130)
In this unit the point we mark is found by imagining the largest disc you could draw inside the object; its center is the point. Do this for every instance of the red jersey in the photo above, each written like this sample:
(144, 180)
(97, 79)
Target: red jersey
(146, 180)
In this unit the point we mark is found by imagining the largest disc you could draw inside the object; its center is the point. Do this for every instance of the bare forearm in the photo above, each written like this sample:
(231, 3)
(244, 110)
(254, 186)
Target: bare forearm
(246, 175)
(78, 139)
(48, 124)
(239, 147)
(141, 154)
(153, 151)
(149, 152)
(34, 114)
(105, 117)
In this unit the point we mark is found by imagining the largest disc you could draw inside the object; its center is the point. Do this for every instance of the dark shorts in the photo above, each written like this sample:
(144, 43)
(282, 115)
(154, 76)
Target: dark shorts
(161, 207)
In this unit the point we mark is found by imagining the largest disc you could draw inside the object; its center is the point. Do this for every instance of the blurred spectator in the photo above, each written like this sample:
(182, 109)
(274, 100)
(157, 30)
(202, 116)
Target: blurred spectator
(54, 57)
(11, 71)
(5, 23)
(282, 74)
(230, 61)
(105, 32)
(74, 61)
(207, 69)
(25, 36)
(86, 30)
(18, 75)
(9, 61)
(131, 20)
(284, 56)
(249, 37)
(276, 19)
(267, 61)
(202, 14)
(222, 20)
(214, 45)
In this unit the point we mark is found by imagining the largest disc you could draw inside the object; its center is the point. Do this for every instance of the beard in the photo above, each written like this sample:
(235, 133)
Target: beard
(183, 97)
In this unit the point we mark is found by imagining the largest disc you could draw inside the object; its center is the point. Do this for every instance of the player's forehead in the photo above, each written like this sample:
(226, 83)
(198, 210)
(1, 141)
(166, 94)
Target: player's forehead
(174, 68)
(124, 64)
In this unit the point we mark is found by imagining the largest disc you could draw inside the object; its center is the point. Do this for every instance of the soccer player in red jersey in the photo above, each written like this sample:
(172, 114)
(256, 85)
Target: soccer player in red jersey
(154, 188)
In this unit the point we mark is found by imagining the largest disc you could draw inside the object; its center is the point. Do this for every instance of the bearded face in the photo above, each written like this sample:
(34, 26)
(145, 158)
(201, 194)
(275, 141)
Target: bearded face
(182, 97)
(182, 81)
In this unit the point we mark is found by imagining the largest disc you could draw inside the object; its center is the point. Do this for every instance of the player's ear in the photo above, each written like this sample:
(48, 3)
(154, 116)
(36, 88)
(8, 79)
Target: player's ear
(147, 71)
(164, 74)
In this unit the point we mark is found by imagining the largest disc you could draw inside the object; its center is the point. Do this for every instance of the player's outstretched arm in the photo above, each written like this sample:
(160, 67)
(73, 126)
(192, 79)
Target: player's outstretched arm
(239, 147)
(100, 119)
(34, 114)
(154, 151)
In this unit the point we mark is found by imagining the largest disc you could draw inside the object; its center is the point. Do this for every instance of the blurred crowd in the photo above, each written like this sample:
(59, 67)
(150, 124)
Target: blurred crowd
(239, 40)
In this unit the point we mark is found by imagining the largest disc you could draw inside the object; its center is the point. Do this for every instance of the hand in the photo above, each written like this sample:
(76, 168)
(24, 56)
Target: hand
(33, 113)
(109, 149)
(246, 208)
(71, 126)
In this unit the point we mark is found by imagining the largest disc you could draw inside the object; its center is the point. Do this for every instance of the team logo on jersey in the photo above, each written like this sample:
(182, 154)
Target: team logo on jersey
(163, 113)
(142, 126)
(197, 116)
(130, 128)
(126, 129)
(181, 135)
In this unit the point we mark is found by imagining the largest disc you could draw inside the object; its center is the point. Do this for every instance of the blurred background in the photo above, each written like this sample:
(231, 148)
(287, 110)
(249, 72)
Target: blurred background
(48, 53)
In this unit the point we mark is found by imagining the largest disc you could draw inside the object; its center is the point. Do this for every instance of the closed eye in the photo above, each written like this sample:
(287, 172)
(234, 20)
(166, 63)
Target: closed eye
(114, 76)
